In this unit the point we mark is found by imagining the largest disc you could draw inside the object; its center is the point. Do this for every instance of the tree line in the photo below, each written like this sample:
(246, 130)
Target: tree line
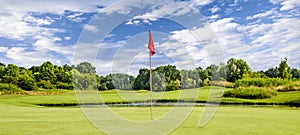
(83, 76)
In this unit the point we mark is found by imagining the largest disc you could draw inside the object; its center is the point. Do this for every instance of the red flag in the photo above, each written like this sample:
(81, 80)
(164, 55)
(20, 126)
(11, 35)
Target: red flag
(151, 44)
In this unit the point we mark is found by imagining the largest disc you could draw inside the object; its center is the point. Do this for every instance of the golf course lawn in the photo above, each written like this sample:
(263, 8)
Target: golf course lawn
(15, 119)
(113, 96)
(20, 114)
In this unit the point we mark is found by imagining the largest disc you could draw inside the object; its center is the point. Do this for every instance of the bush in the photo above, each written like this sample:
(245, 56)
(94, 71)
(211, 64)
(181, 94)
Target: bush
(250, 93)
(45, 84)
(26, 84)
(260, 82)
(67, 86)
(270, 83)
(9, 88)
(174, 85)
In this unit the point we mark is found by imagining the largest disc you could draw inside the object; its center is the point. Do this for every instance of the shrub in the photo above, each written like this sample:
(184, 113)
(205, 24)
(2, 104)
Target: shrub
(174, 85)
(260, 82)
(250, 93)
(45, 84)
(9, 88)
(278, 84)
(67, 86)
(27, 84)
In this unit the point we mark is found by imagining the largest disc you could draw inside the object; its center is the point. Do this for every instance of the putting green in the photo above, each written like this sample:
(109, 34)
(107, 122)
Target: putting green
(16, 119)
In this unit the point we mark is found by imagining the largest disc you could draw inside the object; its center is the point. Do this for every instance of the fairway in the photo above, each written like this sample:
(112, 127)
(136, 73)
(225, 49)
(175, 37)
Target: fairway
(15, 119)
(20, 114)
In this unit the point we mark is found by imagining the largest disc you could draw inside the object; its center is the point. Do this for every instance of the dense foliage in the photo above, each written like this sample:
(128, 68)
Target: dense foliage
(250, 93)
(8, 89)
(165, 78)
(260, 82)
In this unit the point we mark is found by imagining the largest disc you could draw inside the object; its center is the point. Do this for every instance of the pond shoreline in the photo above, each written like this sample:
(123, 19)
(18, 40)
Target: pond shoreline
(160, 103)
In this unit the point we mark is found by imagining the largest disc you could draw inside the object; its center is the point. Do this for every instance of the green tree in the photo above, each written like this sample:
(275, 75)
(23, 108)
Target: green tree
(122, 81)
(173, 85)
(2, 71)
(222, 71)
(86, 68)
(237, 69)
(158, 81)
(257, 74)
(189, 79)
(203, 75)
(169, 72)
(11, 74)
(67, 76)
(272, 72)
(284, 71)
(109, 82)
(213, 72)
(26, 80)
(44, 72)
(84, 81)
(142, 80)
(295, 73)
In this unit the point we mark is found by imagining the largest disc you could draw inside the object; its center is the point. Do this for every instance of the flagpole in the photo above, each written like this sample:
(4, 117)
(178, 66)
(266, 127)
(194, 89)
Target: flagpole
(150, 81)
(152, 52)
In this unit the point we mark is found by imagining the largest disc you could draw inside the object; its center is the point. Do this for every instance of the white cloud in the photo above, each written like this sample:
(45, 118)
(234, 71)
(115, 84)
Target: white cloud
(18, 22)
(212, 17)
(201, 2)
(164, 9)
(215, 9)
(24, 58)
(75, 15)
(38, 21)
(67, 38)
(40, 53)
(53, 6)
(194, 47)
(261, 44)
(91, 28)
(45, 44)
(289, 4)
(136, 22)
(275, 1)
(262, 15)
(194, 36)
(3, 49)
(95, 52)
(281, 31)
(226, 32)
(13, 27)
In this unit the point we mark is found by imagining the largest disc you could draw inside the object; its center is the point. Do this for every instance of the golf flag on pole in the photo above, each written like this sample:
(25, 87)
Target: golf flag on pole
(151, 44)
(152, 52)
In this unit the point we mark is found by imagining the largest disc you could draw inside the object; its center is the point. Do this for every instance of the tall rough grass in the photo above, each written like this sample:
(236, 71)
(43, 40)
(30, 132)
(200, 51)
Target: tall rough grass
(270, 83)
(222, 84)
(250, 93)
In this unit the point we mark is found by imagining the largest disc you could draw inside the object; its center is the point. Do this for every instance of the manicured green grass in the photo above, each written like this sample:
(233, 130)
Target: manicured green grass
(16, 119)
(245, 121)
(19, 114)
(41, 120)
(130, 96)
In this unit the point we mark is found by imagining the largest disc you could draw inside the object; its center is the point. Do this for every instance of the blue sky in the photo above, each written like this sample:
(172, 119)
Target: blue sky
(112, 34)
